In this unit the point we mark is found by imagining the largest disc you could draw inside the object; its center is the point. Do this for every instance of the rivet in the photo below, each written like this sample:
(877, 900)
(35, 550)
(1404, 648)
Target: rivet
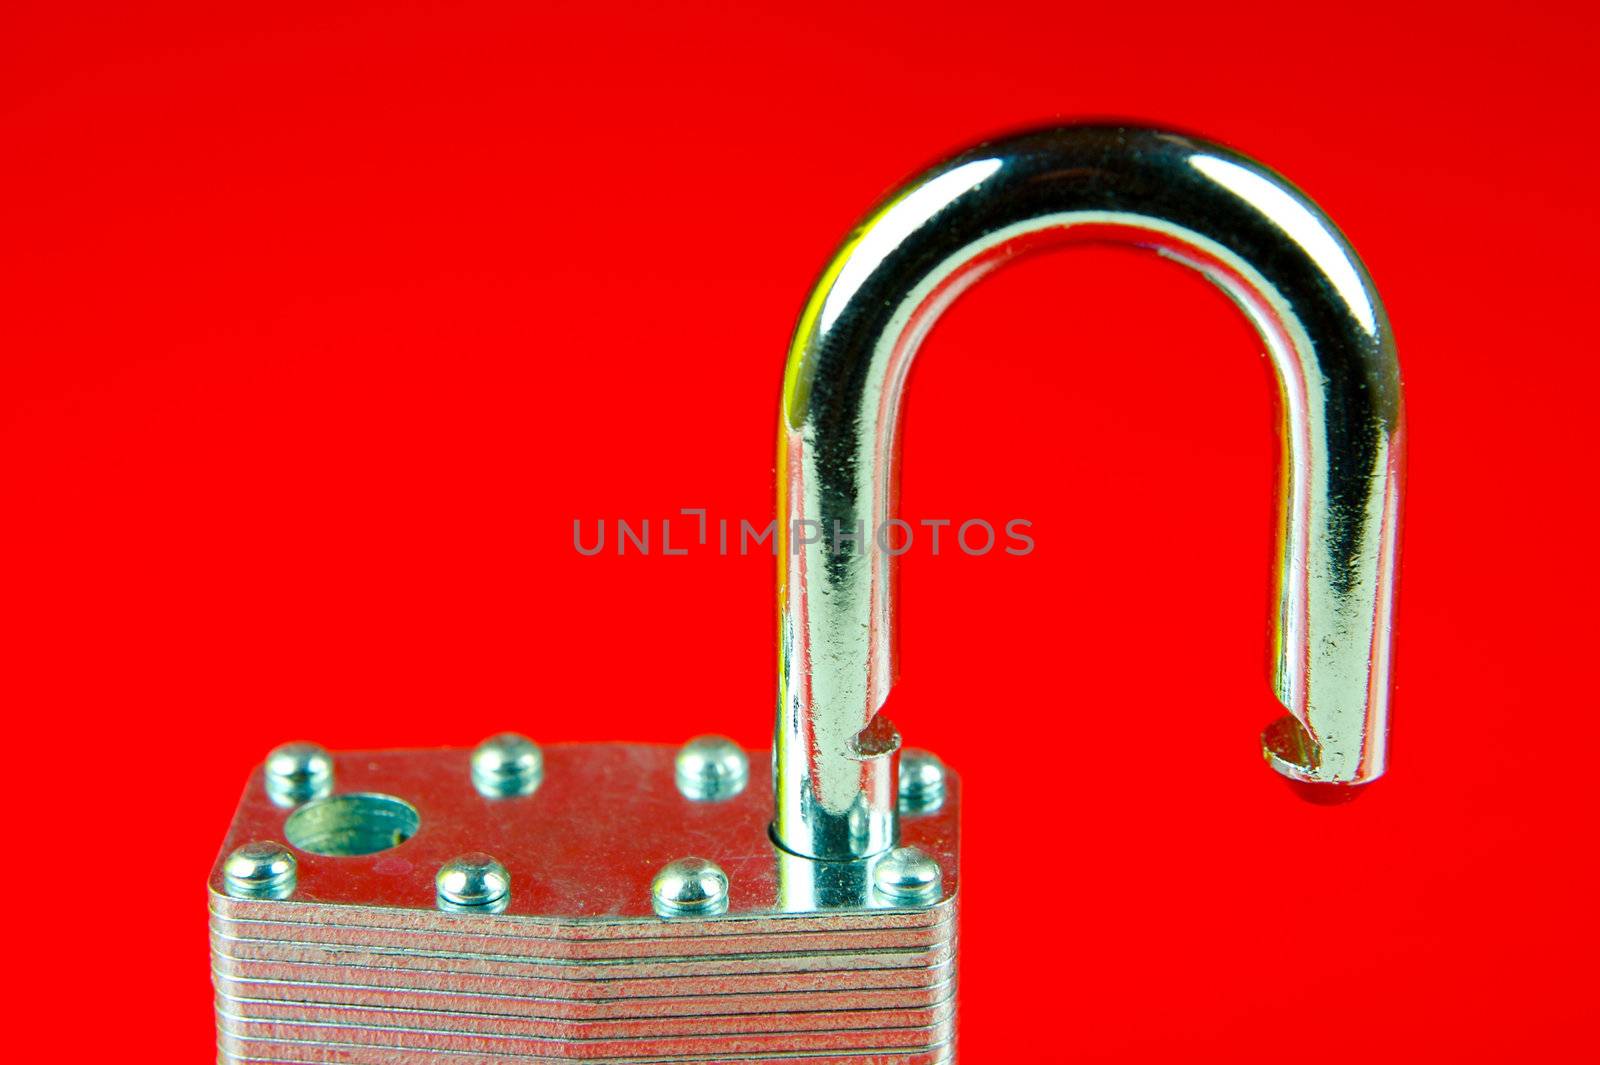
(711, 768)
(297, 773)
(262, 870)
(473, 883)
(921, 781)
(690, 887)
(507, 765)
(907, 874)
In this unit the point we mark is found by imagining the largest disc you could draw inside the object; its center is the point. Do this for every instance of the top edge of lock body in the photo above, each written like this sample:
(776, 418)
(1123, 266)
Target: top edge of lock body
(1249, 232)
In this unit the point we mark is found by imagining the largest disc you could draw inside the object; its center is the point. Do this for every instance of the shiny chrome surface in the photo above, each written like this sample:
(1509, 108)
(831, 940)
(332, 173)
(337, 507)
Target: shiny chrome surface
(712, 768)
(299, 772)
(921, 781)
(689, 887)
(805, 961)
(507, 765)
(473, 883)
(263, 870)
(1244, 228)
(907, 874)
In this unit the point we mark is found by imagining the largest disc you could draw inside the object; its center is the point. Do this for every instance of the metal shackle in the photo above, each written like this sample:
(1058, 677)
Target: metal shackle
(1253, 235)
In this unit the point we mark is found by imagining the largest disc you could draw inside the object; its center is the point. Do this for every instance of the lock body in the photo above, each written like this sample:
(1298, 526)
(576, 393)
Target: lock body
(358, 962)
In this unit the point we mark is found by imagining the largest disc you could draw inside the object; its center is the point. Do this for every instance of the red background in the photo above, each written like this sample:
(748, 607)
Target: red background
(323, 321)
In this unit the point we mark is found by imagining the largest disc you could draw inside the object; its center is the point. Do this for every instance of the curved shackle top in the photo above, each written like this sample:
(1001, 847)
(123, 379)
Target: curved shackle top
(1253, 235)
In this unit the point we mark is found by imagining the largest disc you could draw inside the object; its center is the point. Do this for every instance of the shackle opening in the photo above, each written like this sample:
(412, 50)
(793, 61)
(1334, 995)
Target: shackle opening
(1248, 231)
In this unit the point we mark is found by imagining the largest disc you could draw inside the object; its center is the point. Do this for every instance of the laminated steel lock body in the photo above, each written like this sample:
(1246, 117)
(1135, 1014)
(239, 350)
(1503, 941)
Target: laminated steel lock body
(632, 903)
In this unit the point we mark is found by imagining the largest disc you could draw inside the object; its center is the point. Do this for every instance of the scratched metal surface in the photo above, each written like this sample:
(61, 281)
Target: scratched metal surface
(581, 849)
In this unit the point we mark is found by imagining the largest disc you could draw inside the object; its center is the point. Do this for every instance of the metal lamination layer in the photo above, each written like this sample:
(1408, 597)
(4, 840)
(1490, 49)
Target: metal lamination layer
(294, 1052)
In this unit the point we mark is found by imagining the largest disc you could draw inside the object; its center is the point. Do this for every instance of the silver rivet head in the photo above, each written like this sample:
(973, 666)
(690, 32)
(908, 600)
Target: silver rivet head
(907, 875)
(690, 887)
(264, 870)
(299, 772)
(473, 883)
(507, 765)
(921, 781)
(710, 768)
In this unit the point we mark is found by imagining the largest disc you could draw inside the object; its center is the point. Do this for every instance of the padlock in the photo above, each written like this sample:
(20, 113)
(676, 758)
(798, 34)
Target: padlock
(638, 903)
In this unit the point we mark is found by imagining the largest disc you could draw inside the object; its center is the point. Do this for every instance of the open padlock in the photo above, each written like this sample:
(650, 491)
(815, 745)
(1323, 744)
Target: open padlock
(633, 903)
